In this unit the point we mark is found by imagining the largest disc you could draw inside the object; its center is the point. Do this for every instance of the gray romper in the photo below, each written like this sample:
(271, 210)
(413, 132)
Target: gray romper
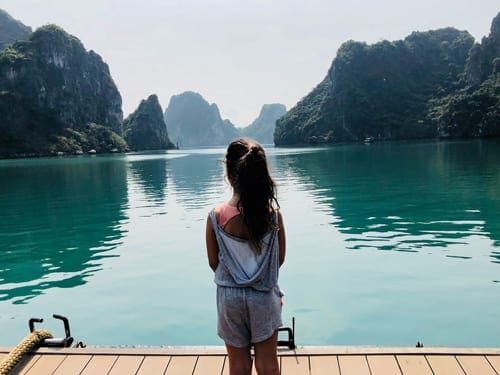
(248, 306)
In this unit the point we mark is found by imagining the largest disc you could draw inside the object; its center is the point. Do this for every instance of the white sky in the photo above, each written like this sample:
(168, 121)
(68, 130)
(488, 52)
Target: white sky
(239, 54)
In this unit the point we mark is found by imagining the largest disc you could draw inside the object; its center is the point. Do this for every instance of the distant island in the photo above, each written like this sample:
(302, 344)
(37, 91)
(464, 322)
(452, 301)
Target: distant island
(262, 128)
(57, 98)
(145, 128)
(11, 30)
(435, 84)
(193, 122)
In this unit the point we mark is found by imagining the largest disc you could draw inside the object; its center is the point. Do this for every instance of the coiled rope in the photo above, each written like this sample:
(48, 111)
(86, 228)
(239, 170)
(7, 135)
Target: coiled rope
(27, 345)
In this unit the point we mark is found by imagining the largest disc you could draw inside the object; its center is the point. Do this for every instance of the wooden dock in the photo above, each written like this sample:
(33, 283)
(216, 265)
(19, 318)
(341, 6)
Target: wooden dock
(305, 360)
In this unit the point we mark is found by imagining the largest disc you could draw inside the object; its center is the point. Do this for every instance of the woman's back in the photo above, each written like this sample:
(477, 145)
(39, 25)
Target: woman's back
(240, 265)
(231, 220)
(245, 246)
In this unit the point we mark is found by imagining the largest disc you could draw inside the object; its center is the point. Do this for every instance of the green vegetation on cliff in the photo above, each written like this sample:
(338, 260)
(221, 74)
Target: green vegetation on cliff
(11, 30)
(474, 111)
(92, 137)
(49, 85)
(399, 90)
(145, 129)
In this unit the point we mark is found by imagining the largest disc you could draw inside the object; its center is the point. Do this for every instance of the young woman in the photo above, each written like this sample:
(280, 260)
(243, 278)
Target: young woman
(245, 240)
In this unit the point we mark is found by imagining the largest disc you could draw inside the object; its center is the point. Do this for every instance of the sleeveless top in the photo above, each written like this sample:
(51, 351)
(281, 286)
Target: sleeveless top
(232, 272)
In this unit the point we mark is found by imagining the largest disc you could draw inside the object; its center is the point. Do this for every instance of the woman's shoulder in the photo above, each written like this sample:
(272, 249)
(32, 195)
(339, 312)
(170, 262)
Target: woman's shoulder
(225, 209)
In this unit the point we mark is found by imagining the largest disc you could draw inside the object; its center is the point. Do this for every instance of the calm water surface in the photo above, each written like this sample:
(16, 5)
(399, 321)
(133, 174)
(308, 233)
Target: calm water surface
(387, 244)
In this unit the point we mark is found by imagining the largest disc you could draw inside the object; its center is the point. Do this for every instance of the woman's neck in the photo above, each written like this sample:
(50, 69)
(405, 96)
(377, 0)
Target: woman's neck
(234, 200)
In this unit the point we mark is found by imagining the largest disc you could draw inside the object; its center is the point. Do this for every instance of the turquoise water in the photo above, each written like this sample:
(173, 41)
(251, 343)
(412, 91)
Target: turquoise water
(387, 244)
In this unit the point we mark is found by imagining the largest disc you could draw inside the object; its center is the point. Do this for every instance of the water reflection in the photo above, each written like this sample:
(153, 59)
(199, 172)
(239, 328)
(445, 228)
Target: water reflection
(196, 178)
(151, 174)
(59, 219)
(407, 197)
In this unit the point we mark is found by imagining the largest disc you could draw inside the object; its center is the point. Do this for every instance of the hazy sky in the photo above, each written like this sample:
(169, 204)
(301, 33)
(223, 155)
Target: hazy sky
(239, 54)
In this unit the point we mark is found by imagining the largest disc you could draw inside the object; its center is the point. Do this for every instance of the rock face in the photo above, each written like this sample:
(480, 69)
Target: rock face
(383, 91)
(145, 129)
(192, 122)
(484, 58)
(11, 30)
(51, 89)
(262, 129)
(474, 111)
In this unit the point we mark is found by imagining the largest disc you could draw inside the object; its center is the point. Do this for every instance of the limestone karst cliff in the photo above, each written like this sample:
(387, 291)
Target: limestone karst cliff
(406, 89)
(51, 90)
(11, 30)
(262, 128)
(474, 111)
(145, 128)
(192, 121)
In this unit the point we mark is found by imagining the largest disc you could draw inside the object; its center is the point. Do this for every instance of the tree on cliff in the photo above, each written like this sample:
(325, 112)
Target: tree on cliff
(51, 90)
(435, 83)
(11, 30)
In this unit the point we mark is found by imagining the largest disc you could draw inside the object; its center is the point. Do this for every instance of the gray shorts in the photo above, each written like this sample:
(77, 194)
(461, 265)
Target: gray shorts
(246, 315)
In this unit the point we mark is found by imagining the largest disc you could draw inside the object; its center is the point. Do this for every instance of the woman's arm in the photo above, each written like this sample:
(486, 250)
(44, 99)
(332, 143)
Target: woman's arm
(212, 247)
(281, 239)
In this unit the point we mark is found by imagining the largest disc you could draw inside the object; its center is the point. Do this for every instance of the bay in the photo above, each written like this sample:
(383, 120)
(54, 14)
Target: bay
(388, 244)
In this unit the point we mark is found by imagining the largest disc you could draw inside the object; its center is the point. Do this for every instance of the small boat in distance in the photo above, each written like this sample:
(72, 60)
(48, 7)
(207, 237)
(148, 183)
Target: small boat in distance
(369, 140)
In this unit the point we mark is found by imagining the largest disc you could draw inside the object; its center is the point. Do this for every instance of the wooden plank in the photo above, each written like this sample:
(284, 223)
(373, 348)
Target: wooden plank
(494, 361)
(383, 365)
(25, 364)
(126, 364)
(47, 364)
(154, 365)
(298, 365)
(303, 350)
(209, 365)
(181, 365)
(444, 365)
(99, 364)
(413, 365)
(324, 365)
(73, 364)
(475, 364)
(353, 365)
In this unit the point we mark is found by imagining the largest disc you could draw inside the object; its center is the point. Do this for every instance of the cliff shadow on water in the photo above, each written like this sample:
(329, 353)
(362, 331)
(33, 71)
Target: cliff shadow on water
(151, 175)
(61, 218)
(196, 175)
(408, 196)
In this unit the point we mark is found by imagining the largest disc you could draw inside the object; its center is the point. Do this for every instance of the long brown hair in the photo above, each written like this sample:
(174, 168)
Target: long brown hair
(248, 173)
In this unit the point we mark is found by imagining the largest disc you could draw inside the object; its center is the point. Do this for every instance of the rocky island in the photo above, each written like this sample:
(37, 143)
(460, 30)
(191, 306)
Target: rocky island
(193, 122)
(55, 97)
(11, 30)
(262, 128)
(145, 129)
(435, 84)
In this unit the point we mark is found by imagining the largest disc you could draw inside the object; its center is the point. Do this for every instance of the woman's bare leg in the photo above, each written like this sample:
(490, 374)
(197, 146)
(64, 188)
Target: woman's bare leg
(240, 361)
(266, 356)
